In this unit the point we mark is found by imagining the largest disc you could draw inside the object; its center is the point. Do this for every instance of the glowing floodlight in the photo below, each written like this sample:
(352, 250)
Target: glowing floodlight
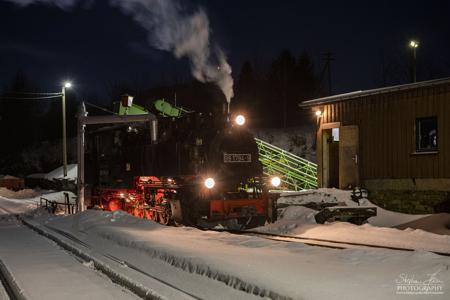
(318, 113)
(276, 181)
(240, 120)
(414, 44)
(210, 183)
(67, 84)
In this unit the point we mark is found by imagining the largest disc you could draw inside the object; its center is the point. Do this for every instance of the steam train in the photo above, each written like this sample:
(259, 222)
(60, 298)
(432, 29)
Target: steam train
(203, 169)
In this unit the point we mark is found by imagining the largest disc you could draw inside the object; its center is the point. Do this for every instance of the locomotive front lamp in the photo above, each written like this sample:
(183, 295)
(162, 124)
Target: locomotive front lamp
(209, 183)
(240, 120)
(276, 181)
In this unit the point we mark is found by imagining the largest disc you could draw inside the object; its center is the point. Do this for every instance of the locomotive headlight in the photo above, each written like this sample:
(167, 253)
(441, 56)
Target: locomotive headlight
(275, 181)
(209, 183)
(240, 120)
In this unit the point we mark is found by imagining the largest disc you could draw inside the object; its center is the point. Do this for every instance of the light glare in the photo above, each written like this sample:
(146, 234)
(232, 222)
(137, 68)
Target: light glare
(414, 44)
(240, 120)
(67, 85)
(210, 183)
(276, 181)
(318, 113)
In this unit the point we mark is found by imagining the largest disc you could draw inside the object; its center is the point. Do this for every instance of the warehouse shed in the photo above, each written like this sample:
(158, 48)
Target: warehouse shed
(394, 141)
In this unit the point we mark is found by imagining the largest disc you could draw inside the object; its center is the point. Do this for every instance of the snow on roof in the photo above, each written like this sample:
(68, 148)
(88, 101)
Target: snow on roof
(383, 90)
(8, 177)
(59, 174)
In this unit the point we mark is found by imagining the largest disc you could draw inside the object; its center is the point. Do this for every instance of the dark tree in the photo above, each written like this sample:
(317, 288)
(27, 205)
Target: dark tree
(292, 81)
(246, 99)
(282, 79)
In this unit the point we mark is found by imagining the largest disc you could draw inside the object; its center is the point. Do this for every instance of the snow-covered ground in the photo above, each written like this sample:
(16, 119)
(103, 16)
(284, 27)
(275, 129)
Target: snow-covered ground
(28, 199)
(297, 140)
(43, 271)
(226, 266)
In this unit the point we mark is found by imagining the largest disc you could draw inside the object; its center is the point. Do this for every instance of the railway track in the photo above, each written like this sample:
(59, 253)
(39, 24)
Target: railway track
(8, 287)
(123, 263)
(326, 243)
(101, 264)
(4, 211)
(84, 253)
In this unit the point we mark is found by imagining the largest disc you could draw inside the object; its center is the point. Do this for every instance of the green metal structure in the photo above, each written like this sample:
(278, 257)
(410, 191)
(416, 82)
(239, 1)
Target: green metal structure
(296, 173)
(134, 109)
(169, 110)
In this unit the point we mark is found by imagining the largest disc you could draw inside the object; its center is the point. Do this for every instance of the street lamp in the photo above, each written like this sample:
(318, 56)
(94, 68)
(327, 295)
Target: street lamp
(413, 45)
(66, 85)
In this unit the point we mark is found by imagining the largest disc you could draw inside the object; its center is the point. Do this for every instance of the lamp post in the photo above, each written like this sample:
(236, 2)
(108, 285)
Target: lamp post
(66, 85)
(413, 45)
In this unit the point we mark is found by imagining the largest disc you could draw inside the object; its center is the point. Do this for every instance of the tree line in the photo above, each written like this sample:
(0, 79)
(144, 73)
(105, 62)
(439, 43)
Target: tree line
(271, 98)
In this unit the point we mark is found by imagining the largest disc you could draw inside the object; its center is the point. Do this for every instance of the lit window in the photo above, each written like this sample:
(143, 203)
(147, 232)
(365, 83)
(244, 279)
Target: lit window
(426, 134)
(335, 134)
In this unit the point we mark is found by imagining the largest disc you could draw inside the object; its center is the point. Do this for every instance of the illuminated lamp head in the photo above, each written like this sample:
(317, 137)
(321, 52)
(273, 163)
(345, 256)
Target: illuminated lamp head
(209, 183)
(275, 181)
(318, 113)
(240, 120)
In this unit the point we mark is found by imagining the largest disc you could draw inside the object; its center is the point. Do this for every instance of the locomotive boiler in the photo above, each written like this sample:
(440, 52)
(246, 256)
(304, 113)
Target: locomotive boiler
(203, 170)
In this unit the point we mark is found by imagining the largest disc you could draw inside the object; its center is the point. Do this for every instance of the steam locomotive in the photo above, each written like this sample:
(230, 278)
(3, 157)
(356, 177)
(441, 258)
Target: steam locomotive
(203, 169)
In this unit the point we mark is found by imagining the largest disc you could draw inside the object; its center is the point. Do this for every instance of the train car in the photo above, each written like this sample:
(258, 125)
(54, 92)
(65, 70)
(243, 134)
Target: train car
(204, 170)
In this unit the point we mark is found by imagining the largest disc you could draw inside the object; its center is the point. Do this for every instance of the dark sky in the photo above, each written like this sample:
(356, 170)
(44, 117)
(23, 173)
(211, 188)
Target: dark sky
(98, 45)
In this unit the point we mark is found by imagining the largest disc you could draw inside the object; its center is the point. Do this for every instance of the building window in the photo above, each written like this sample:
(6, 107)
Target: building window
(426, 134)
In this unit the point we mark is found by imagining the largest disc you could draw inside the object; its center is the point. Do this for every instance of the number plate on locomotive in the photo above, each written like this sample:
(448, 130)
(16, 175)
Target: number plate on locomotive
(237, 158)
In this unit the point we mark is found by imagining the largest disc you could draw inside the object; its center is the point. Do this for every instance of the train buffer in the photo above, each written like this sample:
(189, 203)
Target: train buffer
(296, 173)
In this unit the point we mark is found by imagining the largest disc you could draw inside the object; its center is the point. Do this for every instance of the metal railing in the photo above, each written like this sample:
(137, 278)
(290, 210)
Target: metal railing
(295, 172)
(52, 205)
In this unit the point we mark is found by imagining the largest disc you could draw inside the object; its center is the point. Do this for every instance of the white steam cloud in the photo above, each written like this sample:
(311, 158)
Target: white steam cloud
(171, 27)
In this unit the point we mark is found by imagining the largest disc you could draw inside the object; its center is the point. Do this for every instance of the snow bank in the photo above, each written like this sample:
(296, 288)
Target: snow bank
(438, 223)
(299, 221)
(384, 218)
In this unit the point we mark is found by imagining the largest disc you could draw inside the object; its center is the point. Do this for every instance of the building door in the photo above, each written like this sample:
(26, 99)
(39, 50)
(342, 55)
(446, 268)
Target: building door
(330, 157)
(348, 157)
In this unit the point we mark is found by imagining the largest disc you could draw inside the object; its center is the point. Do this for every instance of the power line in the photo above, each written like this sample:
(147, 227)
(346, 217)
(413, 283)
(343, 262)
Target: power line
(101, 108)
(29, 93)
(29, 98)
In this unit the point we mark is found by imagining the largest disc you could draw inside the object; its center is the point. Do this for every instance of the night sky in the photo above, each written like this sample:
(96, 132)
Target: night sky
(94, 45)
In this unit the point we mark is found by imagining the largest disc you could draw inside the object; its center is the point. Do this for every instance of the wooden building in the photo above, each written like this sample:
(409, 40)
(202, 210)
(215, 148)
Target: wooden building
(394, 139)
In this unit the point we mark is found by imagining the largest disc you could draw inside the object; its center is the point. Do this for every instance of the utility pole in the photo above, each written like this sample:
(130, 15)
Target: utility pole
(328, 59)
(414, 45)
(64, 138)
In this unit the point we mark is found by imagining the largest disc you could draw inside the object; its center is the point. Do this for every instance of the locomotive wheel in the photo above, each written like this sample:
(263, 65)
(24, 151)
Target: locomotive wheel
(154, 216)
(163, 218)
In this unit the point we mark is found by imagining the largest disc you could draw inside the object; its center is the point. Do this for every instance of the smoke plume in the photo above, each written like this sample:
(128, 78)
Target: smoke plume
(172, 27)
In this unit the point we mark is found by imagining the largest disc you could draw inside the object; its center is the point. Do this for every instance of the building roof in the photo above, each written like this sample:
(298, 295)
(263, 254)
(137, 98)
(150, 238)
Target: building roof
(383, 90)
